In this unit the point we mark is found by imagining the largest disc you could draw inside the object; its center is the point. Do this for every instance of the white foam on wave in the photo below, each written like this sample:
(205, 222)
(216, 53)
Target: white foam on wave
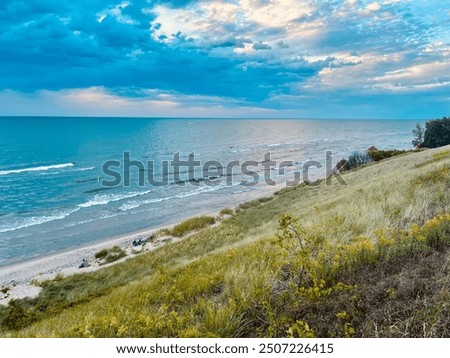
(21, 223)
(240, 150)
(83, 169)
(51, 173)
(129, 206)
(106, 199)
(36, 169)
(135, 204)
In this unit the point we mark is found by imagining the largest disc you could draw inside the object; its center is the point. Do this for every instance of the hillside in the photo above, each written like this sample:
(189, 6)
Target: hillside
(371, 259)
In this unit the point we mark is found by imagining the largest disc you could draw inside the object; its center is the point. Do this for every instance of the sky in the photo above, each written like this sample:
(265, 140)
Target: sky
(242, 58)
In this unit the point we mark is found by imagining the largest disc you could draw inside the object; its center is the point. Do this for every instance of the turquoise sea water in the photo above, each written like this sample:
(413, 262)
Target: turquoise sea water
(51, 192)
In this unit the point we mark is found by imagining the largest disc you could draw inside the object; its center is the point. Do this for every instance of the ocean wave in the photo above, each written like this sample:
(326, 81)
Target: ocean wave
(36, 169)
(106, 199)
(241, 150)
(51, 173)
(135, 204)
(21, 223)
(101, 217)
(129, 206)
(83, 169)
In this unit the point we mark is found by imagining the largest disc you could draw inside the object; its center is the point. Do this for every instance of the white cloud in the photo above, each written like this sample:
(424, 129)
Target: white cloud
(209, 21)
(197, 22)
(116, 12)
(373, 6)
(276, 13)
(421, 72)
(417, 77)
(353, 72)
(372, 72)
(97, 101)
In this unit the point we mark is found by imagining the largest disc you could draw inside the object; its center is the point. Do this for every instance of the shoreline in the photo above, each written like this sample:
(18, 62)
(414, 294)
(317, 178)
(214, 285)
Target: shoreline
(22, 278)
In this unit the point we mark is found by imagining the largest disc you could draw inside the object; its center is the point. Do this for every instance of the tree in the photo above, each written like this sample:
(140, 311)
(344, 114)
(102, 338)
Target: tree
(418, 134)
(437, 133)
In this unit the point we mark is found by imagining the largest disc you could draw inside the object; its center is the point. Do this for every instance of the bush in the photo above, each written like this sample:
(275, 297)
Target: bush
(378, 155)
(437, 133)
(356, 159)
(101, 254)
(342, 165)
(114, 254)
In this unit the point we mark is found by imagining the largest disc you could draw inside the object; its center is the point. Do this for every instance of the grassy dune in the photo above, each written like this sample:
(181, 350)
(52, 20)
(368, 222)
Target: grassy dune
(368, 259)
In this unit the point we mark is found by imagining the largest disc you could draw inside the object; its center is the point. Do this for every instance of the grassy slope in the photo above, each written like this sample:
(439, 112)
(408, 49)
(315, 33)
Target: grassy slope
(234, 280)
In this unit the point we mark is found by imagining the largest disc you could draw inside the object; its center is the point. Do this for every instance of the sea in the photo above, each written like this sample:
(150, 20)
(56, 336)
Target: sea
(67, 182)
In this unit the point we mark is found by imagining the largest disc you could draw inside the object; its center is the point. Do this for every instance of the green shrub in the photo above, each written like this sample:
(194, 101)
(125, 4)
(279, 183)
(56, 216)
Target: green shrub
(114, 254)
(357, 159)
(101, 254)
(342, 165)
(378, 155)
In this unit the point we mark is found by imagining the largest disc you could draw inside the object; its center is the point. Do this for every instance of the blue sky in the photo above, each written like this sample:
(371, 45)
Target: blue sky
(243, 58)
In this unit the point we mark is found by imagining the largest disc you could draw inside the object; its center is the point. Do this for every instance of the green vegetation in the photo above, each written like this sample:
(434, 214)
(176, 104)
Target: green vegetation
(226, 211)
(436, 133)
(188, 226)
(110, 255)
(101, 254)
(253, 203)
(114, 254)
(366, 259)
(378, 155)
(358, 159)
(418, 135)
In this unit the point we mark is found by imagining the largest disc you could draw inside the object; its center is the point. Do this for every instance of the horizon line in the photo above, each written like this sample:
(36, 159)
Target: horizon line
(215, 118)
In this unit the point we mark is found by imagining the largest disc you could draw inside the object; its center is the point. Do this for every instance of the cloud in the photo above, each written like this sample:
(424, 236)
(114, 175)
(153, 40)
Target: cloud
(261, 46)
(273, 55)
(98, 101)
(373, 7)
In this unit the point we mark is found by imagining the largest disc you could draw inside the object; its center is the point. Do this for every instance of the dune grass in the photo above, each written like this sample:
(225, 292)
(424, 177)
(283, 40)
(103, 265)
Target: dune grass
(190, 225)
(372, 259)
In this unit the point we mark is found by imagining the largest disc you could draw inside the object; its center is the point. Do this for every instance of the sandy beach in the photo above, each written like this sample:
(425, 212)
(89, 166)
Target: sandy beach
(22, 279)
